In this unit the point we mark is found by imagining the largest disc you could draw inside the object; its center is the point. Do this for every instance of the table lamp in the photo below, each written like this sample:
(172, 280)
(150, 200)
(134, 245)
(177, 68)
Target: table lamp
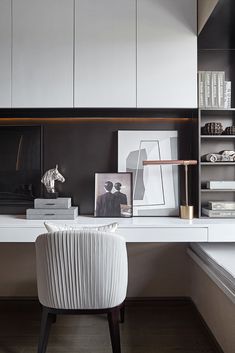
(186, 211)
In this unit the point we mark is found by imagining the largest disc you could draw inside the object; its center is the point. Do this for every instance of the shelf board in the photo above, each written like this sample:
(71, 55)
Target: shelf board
(217, 109)
(217, 163)
(217, 190)
(217, 136)
(207, 217)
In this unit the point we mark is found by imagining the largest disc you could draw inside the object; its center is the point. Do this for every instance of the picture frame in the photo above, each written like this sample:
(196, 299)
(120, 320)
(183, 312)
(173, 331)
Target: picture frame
(155, 187)
(113, 195)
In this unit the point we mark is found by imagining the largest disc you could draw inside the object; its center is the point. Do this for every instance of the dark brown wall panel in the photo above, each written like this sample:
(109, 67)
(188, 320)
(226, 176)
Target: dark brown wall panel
(82, 149)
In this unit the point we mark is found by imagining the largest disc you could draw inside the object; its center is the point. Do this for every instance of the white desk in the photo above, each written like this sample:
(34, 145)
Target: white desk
(17, 229)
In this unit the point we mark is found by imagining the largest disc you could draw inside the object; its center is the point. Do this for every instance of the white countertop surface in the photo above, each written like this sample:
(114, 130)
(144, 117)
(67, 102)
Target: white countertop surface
(136, 229)
(138, 222)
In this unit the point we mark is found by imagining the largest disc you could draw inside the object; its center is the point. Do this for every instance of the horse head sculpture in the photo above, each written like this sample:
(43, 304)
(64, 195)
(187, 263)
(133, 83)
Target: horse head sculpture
(49, 179)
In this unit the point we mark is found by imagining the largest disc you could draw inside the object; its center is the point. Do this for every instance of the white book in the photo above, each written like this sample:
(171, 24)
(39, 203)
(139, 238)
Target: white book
(220, 185)
(214, 89)
(207, 89)
(222, 214)
(221, 80)
(227, 94)
(221, 205)
(201, 86)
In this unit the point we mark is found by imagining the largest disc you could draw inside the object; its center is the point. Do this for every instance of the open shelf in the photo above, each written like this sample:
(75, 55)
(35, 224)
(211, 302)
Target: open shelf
(217, 163)
(217, 109)
(217, 190)
(214, 144)
(217, 136)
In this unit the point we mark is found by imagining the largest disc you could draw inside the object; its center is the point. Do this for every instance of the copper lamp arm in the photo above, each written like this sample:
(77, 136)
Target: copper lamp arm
(170, 161)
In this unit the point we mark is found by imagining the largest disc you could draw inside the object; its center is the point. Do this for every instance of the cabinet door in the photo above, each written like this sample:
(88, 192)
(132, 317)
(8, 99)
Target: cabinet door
(166, 53)
(5, 54)
(105, 53)
(42, 53)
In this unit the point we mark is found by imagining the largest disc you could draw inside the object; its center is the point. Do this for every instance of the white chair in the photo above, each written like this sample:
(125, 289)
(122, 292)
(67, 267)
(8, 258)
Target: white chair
(81, 272)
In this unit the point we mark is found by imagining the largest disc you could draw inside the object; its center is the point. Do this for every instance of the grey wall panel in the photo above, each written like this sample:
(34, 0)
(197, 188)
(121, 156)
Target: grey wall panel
(5, 53)
(105, 53)
(43, 53)
(166, 53)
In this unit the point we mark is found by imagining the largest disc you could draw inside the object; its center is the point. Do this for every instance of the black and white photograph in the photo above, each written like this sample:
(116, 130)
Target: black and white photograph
(113, 195)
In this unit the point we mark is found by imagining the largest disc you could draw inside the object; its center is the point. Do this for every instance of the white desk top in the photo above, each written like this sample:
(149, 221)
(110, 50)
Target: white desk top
(134, 222)
(136, 229)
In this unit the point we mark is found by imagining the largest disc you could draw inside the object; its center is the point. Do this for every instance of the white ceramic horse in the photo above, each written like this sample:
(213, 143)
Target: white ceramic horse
(49, 179)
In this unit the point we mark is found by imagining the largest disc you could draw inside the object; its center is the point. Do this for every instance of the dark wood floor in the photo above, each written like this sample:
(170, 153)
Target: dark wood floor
(162, 327)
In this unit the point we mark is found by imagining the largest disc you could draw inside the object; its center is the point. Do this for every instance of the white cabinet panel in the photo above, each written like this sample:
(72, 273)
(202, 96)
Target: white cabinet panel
(42, 53)
(20, 235)
(164, 234)
(166, 53)
(5, 54)
(222, 232)
(105, 53)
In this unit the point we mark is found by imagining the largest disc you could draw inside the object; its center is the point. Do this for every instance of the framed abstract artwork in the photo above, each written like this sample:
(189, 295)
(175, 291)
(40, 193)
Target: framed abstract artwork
(113, 195)
(155, 187)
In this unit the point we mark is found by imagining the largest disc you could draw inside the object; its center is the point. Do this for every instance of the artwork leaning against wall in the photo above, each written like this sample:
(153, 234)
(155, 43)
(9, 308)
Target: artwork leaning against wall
(155, 187)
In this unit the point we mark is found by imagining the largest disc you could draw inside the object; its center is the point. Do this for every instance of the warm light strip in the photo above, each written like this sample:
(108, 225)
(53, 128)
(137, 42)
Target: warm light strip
(77, 119)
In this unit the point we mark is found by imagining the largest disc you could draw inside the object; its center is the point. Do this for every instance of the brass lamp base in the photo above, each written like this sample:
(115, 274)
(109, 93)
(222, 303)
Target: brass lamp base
(186, 212)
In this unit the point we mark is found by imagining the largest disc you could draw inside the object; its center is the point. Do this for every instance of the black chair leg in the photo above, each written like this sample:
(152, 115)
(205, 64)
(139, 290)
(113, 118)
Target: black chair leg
(122, 313)
(113, 318)
(46, 321)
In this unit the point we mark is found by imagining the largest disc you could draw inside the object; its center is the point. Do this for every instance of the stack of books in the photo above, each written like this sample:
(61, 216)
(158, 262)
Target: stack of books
(220, 185)
(214, 91)
(222, 209)
(45, 209)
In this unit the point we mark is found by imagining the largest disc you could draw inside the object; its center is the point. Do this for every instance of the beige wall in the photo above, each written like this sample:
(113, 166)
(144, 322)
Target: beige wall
(215, 307)
(154, 270)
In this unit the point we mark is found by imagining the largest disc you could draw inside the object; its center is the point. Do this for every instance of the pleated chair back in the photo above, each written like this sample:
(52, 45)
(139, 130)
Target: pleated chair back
(82, 269)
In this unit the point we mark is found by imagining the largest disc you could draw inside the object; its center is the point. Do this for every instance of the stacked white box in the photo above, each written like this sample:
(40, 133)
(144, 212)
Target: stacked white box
(54, 209)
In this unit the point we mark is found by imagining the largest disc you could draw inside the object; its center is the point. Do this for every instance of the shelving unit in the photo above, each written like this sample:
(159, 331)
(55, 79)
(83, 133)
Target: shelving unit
(216, 52)
(215, 143)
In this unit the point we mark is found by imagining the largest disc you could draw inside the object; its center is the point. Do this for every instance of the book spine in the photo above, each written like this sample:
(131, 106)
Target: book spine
(221, 185)
(223, 214)
(214, 89)
(222, 206)
(201, 86)
(227, 94)
(207, 89)
(221, 80)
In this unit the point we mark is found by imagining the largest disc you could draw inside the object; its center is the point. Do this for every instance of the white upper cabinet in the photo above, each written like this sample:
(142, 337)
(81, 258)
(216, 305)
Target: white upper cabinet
(5, 54)
(42, 64)
(166, 53)
(105, 53)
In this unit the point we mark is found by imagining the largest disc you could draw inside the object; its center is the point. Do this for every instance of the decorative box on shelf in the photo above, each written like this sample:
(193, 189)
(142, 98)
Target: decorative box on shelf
(54, 209)
(60, 202)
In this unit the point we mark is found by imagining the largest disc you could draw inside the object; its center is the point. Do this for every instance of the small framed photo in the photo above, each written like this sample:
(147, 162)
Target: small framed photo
(113, 195)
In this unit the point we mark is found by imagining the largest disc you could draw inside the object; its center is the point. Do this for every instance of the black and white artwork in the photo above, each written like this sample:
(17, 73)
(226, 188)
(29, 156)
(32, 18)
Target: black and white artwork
(113, 195)
(155, 187)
